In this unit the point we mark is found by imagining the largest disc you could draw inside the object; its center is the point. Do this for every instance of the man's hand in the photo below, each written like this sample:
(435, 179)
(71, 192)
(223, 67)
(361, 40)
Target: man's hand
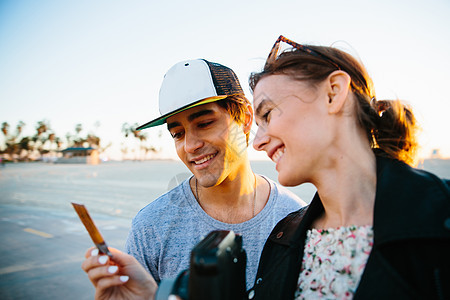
(118, 277)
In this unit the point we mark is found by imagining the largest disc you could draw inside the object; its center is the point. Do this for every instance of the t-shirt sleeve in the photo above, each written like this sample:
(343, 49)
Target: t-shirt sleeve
(143, 244)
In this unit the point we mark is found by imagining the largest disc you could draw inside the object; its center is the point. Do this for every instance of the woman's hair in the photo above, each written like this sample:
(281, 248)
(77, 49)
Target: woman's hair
(236, 106)
(390, 125)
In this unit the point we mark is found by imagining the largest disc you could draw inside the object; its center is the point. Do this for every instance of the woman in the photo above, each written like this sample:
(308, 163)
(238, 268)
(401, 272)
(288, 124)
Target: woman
(377, 228)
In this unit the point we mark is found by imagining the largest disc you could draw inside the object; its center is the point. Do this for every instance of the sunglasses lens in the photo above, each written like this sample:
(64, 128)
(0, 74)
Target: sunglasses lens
(283, 44)
(279, 47)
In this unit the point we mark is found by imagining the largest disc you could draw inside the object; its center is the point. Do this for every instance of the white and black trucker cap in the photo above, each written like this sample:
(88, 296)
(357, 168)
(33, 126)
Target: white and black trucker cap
(191, 83)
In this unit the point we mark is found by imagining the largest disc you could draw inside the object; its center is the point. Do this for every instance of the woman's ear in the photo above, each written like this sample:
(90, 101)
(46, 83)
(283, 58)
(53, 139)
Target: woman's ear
(338, 86)
(248, 119)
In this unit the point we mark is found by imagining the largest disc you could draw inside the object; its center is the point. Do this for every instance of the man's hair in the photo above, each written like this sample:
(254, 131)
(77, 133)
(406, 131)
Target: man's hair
(236, 106)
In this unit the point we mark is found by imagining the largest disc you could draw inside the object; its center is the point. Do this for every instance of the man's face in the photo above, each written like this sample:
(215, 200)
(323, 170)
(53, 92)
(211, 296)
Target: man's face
(209, 142)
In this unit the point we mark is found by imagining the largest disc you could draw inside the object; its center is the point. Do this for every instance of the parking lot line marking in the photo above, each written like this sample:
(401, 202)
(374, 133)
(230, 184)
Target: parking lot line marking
(40, 233)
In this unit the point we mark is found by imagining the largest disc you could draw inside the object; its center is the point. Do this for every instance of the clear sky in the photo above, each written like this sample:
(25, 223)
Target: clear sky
(102, 62)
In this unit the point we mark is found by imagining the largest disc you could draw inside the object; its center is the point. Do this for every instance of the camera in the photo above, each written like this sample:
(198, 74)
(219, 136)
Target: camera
(216, 270)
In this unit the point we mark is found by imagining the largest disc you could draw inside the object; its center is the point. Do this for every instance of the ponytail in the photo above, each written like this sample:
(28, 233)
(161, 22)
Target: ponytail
(395, 131)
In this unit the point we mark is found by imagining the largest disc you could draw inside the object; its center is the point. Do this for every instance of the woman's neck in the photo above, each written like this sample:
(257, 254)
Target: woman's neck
(347, 189)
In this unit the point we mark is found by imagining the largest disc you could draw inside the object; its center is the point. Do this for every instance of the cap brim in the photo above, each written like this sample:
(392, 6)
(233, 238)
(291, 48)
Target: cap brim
(161, 120)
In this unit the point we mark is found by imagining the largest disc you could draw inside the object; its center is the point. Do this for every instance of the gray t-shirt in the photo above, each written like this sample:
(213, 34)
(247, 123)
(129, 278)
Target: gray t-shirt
(164, 232)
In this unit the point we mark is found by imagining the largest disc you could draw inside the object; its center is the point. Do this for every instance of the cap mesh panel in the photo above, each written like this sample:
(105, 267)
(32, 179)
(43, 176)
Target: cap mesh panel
(225, 81)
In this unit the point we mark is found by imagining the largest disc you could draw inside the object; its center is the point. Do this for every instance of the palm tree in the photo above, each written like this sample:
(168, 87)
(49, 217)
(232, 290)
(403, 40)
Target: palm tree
(93, 141)
(40, 139)
(78, 141)
(124, 150)
(78, 128)
(19, 127)
(4, 139)
(69, 139)
(42, 126)
(126, 129)
(5, 128)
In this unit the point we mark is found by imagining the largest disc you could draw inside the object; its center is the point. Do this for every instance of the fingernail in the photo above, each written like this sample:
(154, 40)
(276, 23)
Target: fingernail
(94, 252)
(113, 269)
(103, 259)
(124, 278)
(172, 297)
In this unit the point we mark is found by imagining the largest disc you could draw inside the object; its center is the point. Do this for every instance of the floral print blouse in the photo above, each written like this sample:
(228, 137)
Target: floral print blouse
(333, 262)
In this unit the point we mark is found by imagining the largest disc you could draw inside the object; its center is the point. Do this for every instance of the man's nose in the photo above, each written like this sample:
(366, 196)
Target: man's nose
(192, 142)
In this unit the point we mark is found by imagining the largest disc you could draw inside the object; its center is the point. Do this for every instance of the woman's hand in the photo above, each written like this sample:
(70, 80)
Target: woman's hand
(118, 277)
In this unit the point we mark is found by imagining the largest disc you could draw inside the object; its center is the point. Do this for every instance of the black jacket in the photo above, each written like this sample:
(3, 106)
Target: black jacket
(410, 258)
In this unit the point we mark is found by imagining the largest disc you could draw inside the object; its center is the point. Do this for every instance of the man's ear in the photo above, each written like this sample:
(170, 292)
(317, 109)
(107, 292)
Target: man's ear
(248, 119)
(338, 86)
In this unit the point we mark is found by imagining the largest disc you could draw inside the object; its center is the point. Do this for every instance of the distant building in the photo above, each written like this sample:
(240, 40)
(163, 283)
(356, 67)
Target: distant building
(435, 153)
(79, 155)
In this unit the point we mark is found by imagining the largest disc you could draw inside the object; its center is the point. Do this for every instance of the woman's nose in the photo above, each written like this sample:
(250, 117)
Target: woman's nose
(261, 139)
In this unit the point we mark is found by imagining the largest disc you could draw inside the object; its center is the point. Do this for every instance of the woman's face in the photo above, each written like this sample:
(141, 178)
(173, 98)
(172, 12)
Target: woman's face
(293, 126)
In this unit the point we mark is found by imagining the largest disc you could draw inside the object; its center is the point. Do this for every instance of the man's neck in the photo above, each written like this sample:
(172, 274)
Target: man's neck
(235, 199)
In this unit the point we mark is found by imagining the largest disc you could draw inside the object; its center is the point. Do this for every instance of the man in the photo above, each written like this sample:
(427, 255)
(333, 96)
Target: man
(209, 119)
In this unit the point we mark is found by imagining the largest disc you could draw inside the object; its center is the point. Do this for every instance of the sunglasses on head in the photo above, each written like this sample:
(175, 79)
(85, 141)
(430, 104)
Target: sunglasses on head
(273, 55)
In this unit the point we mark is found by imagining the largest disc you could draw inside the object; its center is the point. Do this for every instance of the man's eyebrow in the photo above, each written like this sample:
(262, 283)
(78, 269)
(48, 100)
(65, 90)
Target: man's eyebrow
(200, 113)
(172, 125)
(191, 117)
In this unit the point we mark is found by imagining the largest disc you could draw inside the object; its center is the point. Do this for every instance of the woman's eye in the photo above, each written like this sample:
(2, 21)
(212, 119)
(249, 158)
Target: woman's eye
(266, 115)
